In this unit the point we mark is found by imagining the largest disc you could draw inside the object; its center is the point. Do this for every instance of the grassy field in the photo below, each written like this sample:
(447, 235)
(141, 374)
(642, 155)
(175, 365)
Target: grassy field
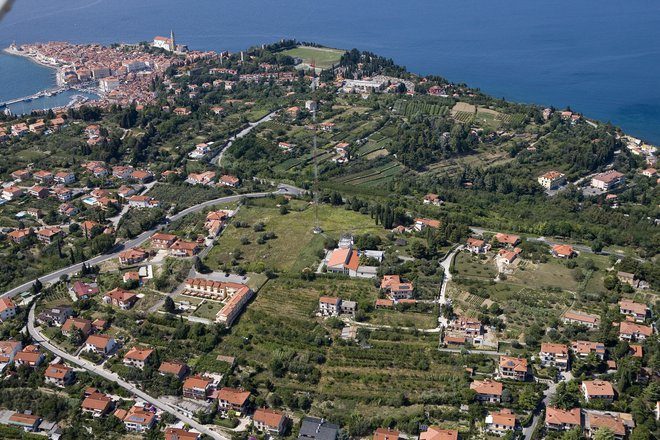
(295, 246)
(403, 319)
(322, 57)
(280, 324)
(469, 265)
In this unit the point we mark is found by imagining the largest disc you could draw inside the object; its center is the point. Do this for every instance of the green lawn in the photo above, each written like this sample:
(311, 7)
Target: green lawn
(295, 246)
(322, 57)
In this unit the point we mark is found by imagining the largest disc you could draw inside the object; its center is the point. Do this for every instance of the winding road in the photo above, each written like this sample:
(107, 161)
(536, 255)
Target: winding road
(100, 371)
(143, 237)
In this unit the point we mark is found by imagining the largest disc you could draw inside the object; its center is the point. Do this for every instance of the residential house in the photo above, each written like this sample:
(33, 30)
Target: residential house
(22, 174)
(329, 306)
(552, 180)
(386, 434)
(313, 428)
(509, 256)
(232, 399)
(87, 227)
(40, 192)
(121, 298)
(628, 278)
(557, 419)
(205, 178)
(7, 309)
(181, 434)
(137, 357)
(8, 350)
(598, 390)
(477, 246)
(614, 422)
(432, 199)
(18, 236)
(182, 248)
(585, 319)
(499, 423)
(98, 404)
(67, 209)
(20, 130)
(554, 355)
(395, 288)
(59, 375)
(163, 241)
(43, 176)
(507, 239)
(639, 311)
(122, 172)
(563, 251)
(343, 260)
(513, 368)
(630, 331)
(65, 177)
(229, 180)
(141, 201)
(27, 422)
(177, 369)
(100, 344)
(196, 387)
(423, 223)
(132, 256)
(84, 325)
(125, 191)
(435, 433)
(55, 315)
(607, 180)
(269, 421)
(136, 419)
(649, 172)
(84, 290)
(62, 194)
(49, 235)
(30, 356)
(487, 390)
(142, 176)
(12, 193)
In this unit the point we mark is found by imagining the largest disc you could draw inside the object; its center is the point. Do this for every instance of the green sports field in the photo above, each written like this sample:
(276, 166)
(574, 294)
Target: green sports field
(323, 57)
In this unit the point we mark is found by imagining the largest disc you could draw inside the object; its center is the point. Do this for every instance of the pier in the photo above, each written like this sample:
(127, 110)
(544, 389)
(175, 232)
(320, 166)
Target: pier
(41, 94)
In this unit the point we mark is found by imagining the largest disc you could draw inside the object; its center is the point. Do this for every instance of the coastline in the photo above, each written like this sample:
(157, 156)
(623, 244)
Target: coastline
(16, 53)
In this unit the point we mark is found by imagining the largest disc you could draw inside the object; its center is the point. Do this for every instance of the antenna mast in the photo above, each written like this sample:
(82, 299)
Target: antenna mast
(317, 225)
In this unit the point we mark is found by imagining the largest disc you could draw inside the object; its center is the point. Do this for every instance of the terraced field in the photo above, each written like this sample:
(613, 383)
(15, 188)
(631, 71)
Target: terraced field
(409, 108)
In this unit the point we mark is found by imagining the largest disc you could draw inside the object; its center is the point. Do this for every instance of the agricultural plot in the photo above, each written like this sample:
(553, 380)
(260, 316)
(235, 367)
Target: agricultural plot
(279, 327)
(410, 108)
(464, 117)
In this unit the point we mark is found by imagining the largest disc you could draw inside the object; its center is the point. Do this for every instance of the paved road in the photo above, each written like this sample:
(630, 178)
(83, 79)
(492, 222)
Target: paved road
(547, 395)
(446, 278)
(217, 160)
(137, 241)
(95, 369)
(465, 350)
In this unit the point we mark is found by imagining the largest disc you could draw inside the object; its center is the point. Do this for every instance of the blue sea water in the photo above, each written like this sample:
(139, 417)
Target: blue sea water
(600, 57)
